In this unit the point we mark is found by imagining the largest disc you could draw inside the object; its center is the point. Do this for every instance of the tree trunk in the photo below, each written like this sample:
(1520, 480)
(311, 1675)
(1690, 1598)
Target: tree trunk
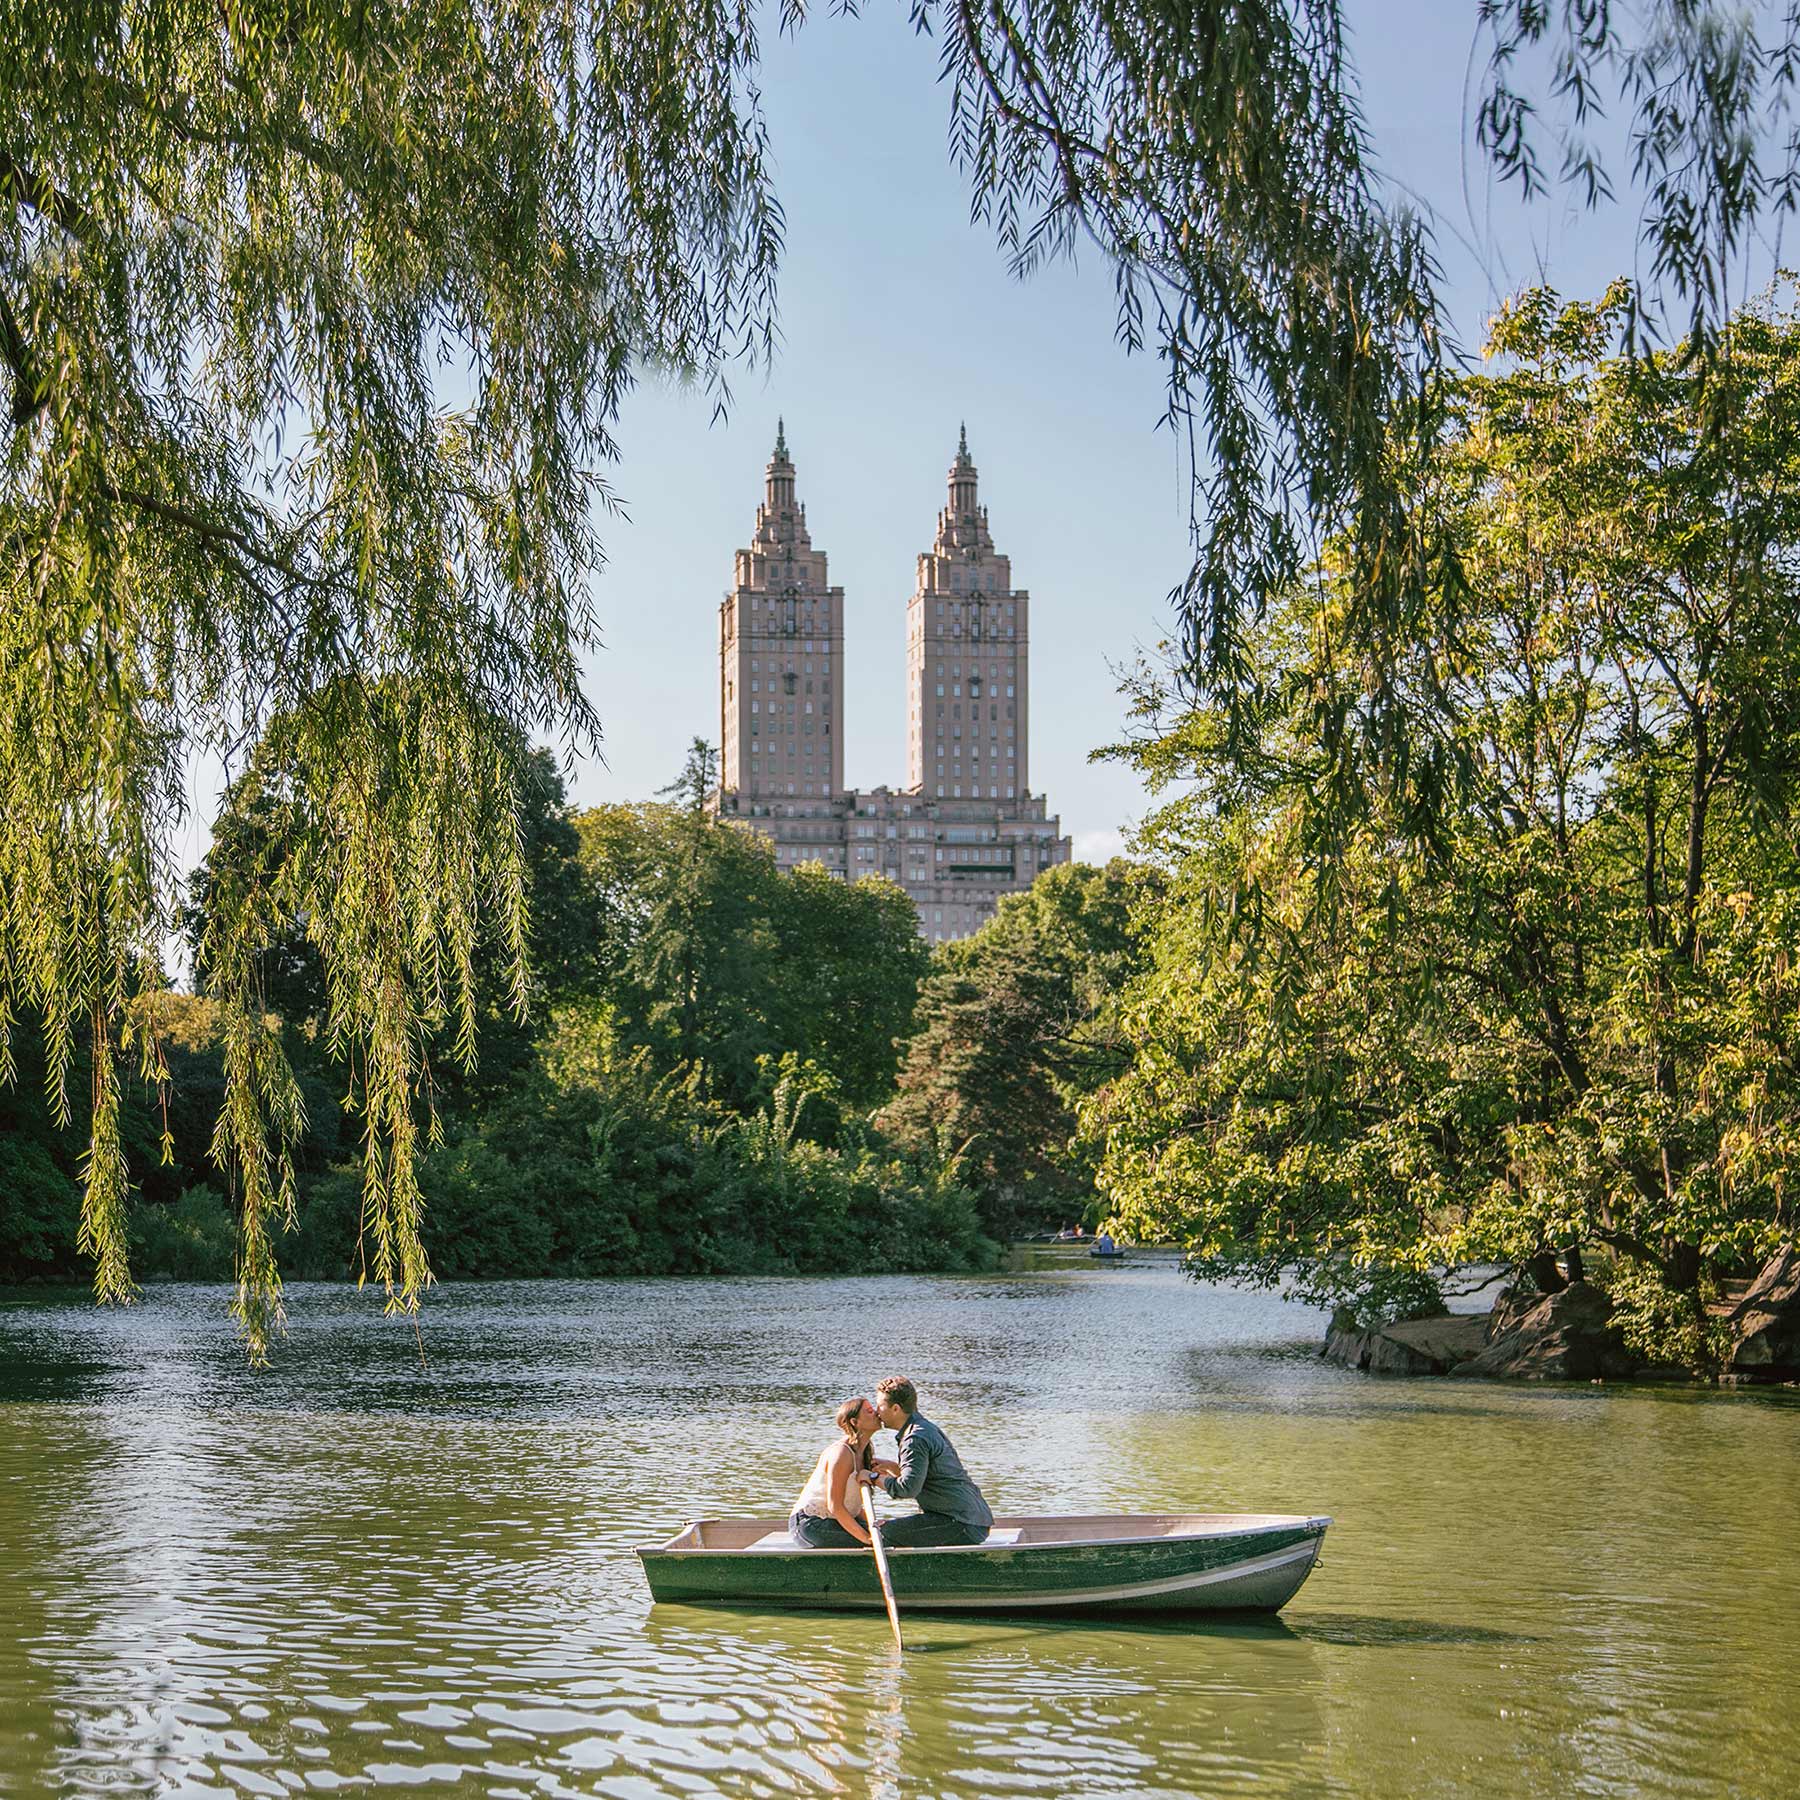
(1543, 1270)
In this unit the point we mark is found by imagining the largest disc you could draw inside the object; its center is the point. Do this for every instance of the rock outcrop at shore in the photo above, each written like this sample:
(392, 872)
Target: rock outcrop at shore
(1413, 1347)
(1765, 1323)
(1531, 1337)
(1569, 1336)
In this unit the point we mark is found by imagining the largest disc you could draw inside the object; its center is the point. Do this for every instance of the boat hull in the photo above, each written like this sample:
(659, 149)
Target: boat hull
(1033, 1566)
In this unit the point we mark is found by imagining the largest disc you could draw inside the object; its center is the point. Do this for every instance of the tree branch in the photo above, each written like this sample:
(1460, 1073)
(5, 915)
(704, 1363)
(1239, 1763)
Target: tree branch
(30, 393)
(213, 531)
(28, 188)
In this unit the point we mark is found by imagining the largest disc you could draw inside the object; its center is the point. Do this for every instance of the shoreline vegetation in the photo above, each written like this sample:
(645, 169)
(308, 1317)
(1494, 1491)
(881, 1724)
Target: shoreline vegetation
(725, 1068)
(728, 1069)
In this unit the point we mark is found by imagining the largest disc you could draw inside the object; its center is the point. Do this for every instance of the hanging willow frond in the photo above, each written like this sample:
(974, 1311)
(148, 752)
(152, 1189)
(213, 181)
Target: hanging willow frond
(1214, 152)
(313, 321)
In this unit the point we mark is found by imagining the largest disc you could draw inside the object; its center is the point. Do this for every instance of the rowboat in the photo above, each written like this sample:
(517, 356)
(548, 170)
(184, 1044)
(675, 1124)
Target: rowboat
(1079, 1563)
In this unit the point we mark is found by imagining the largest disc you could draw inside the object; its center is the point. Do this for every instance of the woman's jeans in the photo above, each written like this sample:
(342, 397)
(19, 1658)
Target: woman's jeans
(822, 1534)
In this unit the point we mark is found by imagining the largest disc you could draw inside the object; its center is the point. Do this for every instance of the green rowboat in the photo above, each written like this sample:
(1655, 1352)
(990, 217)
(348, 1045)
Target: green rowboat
(1105, 1563)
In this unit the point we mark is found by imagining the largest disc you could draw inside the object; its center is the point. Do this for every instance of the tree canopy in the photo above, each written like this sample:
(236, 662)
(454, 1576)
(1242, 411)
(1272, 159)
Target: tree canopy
(1014, 1028)
(315, 320)
(1562, 1020)
(712, 956)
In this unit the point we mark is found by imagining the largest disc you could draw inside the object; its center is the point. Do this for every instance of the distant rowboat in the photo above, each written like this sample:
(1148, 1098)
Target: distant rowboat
(1096, 1563)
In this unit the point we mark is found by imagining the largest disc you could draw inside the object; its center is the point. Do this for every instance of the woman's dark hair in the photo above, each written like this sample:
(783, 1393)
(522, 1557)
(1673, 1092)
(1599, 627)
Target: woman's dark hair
(847, 1415)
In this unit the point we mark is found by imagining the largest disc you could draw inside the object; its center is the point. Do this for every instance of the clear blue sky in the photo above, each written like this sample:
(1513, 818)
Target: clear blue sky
(900, 321)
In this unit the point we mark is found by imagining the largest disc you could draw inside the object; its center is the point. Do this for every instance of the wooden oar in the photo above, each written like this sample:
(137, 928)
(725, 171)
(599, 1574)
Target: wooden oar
(881, 1565)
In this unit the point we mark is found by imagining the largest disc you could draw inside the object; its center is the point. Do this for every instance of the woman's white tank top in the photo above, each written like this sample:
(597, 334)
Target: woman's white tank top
(815, 1497)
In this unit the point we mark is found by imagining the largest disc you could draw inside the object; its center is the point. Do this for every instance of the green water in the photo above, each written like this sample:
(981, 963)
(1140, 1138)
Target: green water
(348, 1572)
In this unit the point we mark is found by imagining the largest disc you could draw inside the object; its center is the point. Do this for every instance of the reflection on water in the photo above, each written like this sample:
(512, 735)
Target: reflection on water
(351, 1572)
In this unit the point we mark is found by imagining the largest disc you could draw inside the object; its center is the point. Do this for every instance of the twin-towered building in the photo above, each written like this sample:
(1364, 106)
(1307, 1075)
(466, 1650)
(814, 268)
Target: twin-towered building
(966, 828)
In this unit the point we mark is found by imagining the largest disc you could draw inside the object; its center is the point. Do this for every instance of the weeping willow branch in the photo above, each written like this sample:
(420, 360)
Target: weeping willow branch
(241, 503)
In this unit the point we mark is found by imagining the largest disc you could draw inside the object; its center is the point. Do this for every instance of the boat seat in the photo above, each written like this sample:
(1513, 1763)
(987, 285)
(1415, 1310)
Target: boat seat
(999, 1538)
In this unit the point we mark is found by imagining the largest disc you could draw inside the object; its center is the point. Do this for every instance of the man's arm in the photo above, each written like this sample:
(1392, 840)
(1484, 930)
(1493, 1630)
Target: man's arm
(915, 1465)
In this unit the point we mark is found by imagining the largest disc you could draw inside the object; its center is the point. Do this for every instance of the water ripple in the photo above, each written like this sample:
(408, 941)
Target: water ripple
(353, 1573)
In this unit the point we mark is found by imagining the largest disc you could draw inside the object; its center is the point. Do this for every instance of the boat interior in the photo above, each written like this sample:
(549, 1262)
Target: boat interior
(1012, 1533)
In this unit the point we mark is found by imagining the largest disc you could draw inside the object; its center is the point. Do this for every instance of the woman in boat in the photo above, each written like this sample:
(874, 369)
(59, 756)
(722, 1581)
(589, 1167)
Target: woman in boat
(829, 1513)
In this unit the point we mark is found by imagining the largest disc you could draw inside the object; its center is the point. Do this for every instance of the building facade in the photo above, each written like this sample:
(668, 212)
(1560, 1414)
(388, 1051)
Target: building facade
(966, 827)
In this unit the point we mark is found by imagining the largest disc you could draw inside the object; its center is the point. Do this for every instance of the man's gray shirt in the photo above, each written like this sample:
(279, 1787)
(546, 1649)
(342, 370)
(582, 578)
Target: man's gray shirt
(932, 1473)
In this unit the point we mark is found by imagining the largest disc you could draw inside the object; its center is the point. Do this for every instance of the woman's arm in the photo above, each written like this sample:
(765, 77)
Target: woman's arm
(843, 1461)
(881, 1466)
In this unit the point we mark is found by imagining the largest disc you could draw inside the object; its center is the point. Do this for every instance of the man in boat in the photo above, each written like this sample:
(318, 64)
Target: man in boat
(951, 1509)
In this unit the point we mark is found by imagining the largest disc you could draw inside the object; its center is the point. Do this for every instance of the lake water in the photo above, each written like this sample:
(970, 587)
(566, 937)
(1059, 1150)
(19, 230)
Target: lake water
(351, 1572)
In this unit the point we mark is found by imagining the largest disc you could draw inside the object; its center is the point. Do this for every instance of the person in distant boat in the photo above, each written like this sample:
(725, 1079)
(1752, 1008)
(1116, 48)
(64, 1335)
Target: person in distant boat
(829, 1513)
(1103, 1242)
(952, 1510)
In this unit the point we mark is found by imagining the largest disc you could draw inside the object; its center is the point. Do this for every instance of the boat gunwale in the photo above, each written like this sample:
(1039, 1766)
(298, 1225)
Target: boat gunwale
(1316, 1522)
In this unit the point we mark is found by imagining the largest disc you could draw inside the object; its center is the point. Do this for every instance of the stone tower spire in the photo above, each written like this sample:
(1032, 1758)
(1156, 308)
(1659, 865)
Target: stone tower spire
(781, 656)
(778, 477)
(961, 511)
(967, 648)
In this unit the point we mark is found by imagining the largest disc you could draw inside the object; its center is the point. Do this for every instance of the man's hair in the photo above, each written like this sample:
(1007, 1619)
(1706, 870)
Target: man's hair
(898, 1391)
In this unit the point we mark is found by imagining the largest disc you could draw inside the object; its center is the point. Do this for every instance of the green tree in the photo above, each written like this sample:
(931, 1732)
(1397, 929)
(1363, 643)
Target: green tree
(249, 874)
(714, 958)
(689, 966)
(237, 245)
(1562, 1020)
(1012, 1030)
(851, 960)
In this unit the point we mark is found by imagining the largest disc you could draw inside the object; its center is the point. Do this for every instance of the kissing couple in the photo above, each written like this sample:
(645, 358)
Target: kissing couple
(829, 1515)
